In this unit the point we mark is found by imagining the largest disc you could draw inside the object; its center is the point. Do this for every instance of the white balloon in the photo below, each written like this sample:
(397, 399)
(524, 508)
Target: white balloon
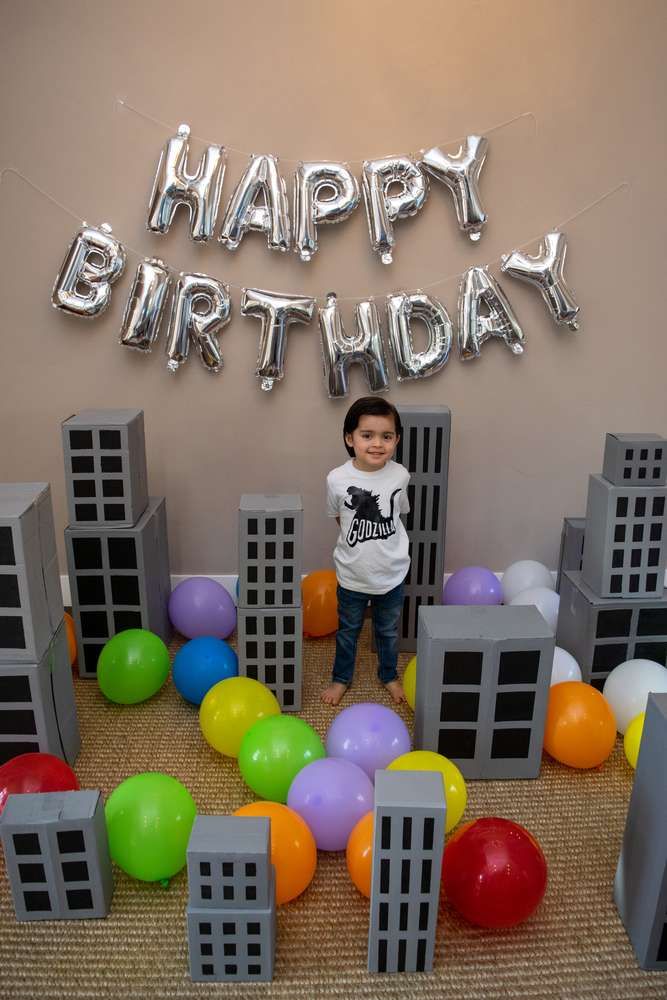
(627, 688)
(546, 601)
(565, 667)
(522, 575)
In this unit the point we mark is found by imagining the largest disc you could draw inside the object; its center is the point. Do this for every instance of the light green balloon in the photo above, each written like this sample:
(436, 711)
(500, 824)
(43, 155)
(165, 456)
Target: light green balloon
(133, 666)
(149, 819)
(274, 750)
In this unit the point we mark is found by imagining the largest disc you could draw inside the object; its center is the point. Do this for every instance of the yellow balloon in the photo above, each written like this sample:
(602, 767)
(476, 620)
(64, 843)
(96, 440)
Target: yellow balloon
(410, 682)
(452, 779)
(230, 708)
(632, 739)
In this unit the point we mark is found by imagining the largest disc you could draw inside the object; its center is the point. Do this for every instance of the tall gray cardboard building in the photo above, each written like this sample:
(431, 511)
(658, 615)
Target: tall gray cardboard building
(116, 542)
(57, 855)
(424, 451)
(615, 607)
(231, 911)
(270, 620)
(408, 843)
(483, 676)
(37, 707)
(640, 886)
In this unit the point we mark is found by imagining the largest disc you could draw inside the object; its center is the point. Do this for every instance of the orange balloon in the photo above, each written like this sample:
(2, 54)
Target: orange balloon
(293, 850)
(580, 728)
(71, 638)
(320, 604)
(359, 854)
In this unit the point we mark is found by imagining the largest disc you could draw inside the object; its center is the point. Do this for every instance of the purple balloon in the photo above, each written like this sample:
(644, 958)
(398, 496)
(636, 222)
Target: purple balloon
(200, 606)
(472, 585)
(369, 735)
(331, 796)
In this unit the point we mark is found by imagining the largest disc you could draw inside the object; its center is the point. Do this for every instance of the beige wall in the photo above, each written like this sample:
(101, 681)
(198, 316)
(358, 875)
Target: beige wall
(342, 80)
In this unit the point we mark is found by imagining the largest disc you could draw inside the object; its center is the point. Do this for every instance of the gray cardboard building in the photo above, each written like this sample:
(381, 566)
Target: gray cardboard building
(37, 706)
(105, 467)
(57, 855)
(270, 647)
(231, 911)
(640, 885)
(119, 579)
(601, 632)
(483, 677)
(408, 842)
(424, 451)
(31, 604)
(571, 553)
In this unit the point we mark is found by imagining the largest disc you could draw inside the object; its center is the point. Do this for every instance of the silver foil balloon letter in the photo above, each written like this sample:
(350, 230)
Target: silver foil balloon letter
(460, 173)
(383, 207)
(479, 290)
(311, 180)
(401, 310)
(546, 272)
(340, 351)
(276, 312)
(201, 306)
(93, 262)
(145, 305)
(174, 186)
(261, 177)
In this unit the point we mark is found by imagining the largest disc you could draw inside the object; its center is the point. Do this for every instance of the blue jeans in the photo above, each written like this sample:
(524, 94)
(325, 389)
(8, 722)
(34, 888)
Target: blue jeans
(386, 610)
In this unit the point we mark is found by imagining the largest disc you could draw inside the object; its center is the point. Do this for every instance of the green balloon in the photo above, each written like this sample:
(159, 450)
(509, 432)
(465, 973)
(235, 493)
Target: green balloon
(133, 666)
(274, 750)
(149, 818)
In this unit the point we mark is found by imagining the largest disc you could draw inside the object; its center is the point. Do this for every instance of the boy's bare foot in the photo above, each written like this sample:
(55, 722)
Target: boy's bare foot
(395, 689)
(333, 694)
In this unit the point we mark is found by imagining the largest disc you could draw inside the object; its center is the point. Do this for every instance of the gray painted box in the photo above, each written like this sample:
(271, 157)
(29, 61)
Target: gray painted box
(601, 632)
(57, 855)
(424, 451)
(31, 605)
(640, 885)
(626, 539)
(229, 862)
(483, 677)
(269, 647)
(270, 550)
(37, 706)
(408, 842)
(119, 579)
(229, 945)
(105, 467)
(635, 459)
(571, 547)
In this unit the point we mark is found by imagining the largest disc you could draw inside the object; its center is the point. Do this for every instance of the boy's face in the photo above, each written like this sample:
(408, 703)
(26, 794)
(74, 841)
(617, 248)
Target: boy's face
(374, 441)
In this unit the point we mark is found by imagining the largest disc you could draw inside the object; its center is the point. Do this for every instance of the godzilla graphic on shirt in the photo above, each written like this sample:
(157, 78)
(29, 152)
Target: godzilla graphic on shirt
(368, 521)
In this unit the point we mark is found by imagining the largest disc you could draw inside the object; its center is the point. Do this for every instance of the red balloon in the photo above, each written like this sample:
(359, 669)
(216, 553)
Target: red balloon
(494, 872)
(35, 772)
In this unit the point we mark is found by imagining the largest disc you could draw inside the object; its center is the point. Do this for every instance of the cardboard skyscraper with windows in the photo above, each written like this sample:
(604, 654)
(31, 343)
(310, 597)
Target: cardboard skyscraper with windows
(640, 885)
(57, 855)
(615, 608)
(408, 843)
(270, 621)
(116, 543)
(37, 707)
(483, 676)
(424, 451)
(231, 911)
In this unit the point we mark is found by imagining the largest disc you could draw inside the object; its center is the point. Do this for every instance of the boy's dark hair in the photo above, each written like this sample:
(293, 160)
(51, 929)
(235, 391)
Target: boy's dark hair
(371, 406)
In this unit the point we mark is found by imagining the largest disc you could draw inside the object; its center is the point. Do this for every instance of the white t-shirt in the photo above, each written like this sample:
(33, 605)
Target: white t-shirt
(371, 554)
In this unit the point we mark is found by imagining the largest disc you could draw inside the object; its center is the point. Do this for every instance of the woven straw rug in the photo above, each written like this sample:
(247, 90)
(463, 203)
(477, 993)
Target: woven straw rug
(574, 946)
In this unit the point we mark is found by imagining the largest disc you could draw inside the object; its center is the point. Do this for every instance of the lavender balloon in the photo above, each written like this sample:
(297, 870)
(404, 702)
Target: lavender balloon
(369, 735)
(472, 585)
(200, 606)
(331, 795)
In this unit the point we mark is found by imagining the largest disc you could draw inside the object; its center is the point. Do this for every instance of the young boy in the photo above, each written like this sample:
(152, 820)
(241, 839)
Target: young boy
(366, 496)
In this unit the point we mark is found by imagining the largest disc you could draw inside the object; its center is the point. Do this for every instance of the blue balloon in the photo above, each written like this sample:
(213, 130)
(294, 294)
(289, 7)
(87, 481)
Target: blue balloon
(200, 664)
